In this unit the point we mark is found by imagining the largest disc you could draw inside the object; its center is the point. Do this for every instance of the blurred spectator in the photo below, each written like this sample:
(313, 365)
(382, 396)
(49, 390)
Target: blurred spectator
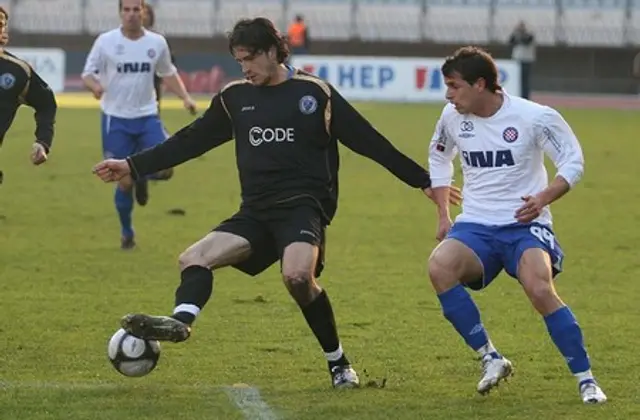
(636, 69)
(524, 51)
(149, 21)
(298, 36)
(149, 17)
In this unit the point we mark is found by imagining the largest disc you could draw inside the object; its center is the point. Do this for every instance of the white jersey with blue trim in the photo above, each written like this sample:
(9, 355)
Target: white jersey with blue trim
(126, 70)
(502, 158)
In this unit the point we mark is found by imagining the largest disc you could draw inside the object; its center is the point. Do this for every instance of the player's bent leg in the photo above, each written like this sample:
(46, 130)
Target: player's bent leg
(536, 276)
(452, 264)
(216, 250)
(118, 143)
(298, 268)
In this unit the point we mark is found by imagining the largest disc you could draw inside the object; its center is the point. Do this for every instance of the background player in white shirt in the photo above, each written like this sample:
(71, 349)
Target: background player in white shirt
(120, 71)
(505, 221)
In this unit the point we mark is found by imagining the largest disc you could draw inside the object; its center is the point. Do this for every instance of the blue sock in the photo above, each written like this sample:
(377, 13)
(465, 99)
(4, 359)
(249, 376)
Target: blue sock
(567, 336)
(124, 206)
(462, 312)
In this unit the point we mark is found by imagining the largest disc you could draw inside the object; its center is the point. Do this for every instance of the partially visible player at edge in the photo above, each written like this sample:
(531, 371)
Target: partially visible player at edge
(20, 84)
(149, 21)
(505, 221)
(286, 124)
(126, 60)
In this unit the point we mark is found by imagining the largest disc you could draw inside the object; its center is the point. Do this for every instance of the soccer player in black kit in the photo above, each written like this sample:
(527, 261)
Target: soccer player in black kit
(20, 84)
(286, 126)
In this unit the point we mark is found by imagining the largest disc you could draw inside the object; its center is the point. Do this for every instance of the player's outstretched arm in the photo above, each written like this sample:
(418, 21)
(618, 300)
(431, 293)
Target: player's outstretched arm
(40, 97)
(355, 132)
(212, 129)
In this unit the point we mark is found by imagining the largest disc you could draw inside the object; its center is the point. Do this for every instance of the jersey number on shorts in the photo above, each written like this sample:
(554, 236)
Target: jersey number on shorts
(544, 235)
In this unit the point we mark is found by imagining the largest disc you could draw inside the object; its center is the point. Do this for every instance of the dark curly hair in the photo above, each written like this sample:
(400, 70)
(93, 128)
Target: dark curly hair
(473, 64)
(258, 35)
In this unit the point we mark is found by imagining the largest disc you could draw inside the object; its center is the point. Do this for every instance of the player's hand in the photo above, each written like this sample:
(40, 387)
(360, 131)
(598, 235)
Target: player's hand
(530, 210)
(112, 170)
(444, 226)
(455, 195)
(97, 91)
(38, 154)
(190, 105)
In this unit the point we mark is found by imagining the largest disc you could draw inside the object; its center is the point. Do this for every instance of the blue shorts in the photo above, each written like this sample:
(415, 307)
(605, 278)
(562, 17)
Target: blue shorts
(122, 137)
(501, 247)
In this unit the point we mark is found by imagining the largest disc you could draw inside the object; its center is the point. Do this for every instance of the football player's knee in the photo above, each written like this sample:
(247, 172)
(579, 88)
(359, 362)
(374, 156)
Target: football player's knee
(543, 296)
(298, 282)
(442, 271)
(190, 258)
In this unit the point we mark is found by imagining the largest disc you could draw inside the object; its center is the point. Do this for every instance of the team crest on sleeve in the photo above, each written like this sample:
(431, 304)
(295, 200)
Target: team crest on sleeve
(510, 134)
(441, 142)
(151, 53)
(308, 104)
(7, 80)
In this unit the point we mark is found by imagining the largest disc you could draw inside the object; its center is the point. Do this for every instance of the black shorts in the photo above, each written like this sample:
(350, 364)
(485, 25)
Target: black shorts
(270, 231)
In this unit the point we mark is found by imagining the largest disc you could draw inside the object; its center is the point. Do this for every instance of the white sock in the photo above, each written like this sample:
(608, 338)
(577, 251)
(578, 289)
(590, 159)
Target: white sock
(334, 356)
(487, 349)
(584, 376)
(188, 308)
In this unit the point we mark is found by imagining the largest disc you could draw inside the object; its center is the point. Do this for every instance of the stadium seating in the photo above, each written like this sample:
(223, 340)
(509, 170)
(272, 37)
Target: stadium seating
(47, 16)
(575, 22)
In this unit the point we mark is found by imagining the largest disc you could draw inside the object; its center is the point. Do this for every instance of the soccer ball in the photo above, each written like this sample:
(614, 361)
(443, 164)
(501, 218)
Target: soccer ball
(132, 356)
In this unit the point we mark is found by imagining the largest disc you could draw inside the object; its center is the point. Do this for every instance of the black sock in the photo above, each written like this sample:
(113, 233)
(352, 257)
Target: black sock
(319, 316)
(195, 289)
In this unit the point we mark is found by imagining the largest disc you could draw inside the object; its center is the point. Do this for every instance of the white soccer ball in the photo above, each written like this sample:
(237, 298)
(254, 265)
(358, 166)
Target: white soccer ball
(132, 356)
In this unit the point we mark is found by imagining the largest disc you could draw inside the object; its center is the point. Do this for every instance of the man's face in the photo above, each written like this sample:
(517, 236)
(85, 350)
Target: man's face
(131, 14)
(257, 67)
(4, 30)
(461, 94)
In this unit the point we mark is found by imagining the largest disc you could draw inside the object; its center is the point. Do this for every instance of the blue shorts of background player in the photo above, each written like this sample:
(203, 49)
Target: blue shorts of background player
(122, 137)
(501, 247)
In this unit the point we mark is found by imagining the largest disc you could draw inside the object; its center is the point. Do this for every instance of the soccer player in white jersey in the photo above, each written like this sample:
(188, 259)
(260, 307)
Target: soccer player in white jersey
(505, 221)
(119, 71)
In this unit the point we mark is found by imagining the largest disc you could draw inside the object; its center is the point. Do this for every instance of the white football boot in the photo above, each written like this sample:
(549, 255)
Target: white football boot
(344, 377)
(494, 369)
(591, 393)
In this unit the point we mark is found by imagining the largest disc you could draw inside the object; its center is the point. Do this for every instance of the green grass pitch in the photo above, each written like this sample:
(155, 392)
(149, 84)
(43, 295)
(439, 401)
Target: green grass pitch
(64, 284)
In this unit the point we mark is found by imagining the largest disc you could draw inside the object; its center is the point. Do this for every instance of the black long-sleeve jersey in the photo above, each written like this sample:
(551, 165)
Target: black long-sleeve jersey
(20, 84)
(286, 142)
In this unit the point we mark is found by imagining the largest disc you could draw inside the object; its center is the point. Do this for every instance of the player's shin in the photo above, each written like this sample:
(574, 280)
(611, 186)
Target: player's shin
(461, 311)
(318, 313)
(124, 205)
(192, 295)
(567, 336)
